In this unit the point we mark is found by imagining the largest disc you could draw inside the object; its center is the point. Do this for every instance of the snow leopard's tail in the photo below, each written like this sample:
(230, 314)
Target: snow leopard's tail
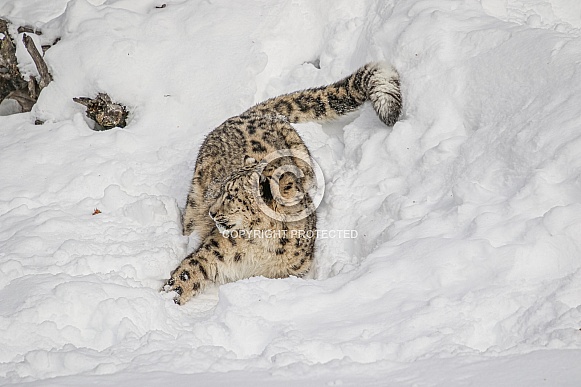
(377, 82)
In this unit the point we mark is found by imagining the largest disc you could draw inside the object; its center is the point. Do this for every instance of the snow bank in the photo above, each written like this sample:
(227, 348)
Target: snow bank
(465, 268)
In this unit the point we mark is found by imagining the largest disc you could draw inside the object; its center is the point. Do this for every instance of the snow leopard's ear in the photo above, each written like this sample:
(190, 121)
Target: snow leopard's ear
(249, 161)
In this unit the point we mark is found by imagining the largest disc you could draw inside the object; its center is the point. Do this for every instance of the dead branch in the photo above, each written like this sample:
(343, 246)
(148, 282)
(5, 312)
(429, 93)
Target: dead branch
(106, 113)
(29, 29)
(12, 84)
(40, 64)
(10, 78)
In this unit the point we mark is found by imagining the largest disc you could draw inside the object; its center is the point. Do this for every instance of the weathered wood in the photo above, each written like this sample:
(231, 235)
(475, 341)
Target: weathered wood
(25, 100)
(29, 29)
(39, 62)
(12, 84)
(106, 113)
(10, 78)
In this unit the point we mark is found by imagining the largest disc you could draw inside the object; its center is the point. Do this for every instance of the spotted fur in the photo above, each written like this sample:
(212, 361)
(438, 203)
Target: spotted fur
(228, 172)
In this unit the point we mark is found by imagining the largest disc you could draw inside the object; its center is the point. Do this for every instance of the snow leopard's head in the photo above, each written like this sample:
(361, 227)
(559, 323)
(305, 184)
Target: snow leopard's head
(256, 195)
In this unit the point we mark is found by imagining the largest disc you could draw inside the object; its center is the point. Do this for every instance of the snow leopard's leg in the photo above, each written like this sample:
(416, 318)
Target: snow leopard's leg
(202, 267)
(195, 216)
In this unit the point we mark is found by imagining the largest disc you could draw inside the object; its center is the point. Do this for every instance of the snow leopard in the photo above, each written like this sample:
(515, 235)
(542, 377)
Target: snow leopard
(254, 174)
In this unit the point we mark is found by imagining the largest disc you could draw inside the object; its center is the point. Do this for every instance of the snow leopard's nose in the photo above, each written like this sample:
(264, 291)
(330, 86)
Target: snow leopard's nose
(212, 214)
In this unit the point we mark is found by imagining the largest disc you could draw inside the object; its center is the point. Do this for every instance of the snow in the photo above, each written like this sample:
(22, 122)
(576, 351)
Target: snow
(465, 265)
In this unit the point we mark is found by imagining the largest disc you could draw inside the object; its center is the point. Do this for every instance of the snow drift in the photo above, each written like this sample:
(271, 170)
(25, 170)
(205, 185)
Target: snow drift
(466, 265)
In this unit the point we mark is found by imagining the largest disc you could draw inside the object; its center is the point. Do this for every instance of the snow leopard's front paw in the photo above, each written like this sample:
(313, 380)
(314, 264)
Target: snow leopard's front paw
(187, 280)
